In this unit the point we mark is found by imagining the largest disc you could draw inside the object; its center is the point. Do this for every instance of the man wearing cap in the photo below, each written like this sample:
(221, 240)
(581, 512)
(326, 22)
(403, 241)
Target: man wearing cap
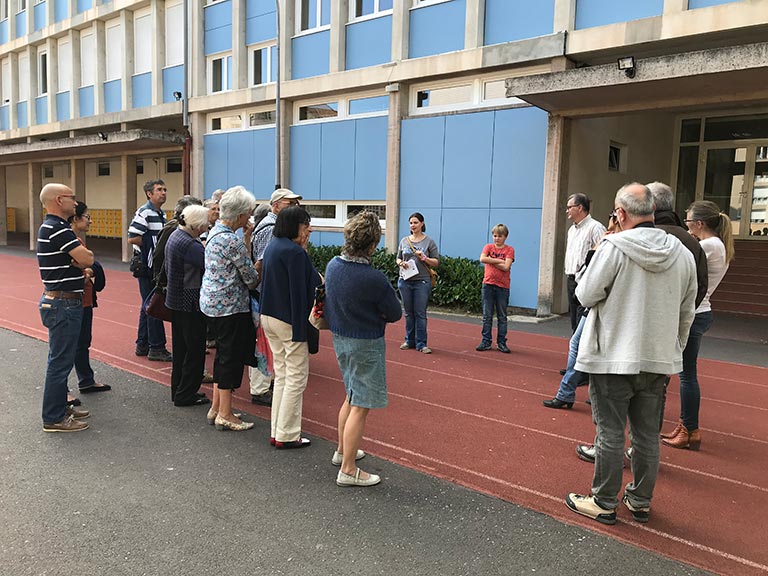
(262, 236)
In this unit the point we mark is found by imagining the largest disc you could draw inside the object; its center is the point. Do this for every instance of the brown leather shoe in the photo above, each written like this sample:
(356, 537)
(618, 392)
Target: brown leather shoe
(675, 431)
(684, 439)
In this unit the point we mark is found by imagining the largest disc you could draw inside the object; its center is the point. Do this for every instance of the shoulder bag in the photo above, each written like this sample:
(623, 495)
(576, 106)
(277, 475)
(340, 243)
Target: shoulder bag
(432, 271)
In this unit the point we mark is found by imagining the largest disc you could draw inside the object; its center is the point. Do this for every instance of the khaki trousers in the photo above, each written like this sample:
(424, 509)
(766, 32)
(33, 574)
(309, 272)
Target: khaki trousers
(291, 362)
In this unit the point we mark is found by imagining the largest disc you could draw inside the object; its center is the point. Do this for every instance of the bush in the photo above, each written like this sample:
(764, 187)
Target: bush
(459, 280)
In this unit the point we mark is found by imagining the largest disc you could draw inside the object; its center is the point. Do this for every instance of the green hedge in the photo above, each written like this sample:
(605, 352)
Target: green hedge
(459, 280)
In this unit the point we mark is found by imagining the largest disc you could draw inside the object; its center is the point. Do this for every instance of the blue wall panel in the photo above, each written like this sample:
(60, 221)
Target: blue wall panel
(259, 7)
(21, 24)
(437, 28)
(525, 237)
(260, 28)
(371, 159)
(509, 20)
(5, 118)
(327, 239)
(263, 160)
(466, 231)
(218, 27)
(173, 81)
(4, 32)
(60, 10)
(41, 110)
(83, 5)
(591, 13)
(337, 160)
(305, 160)
(432, 218)
(311, 54)
(692, 4)
(141, 90)
(421, 164)
(467, 164)
(62, 106)
(240, 159)
(113, 99)
(86, 101)
(215, 163)
(369, 42)
(22, 117)
(39, 16)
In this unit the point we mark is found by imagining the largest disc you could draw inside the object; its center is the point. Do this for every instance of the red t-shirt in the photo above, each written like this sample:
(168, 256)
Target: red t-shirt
(492, 274)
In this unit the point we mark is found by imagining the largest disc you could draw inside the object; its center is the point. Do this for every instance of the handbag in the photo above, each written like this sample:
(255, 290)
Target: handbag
(432, 271)
(137, 266)
(316, 315)
(155, 306)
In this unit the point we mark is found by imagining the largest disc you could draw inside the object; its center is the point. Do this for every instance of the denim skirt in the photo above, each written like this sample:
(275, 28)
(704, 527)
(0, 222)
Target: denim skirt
(363, 366)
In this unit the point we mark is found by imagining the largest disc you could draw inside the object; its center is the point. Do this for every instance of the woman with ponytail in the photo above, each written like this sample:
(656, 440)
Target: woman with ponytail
(713, 230)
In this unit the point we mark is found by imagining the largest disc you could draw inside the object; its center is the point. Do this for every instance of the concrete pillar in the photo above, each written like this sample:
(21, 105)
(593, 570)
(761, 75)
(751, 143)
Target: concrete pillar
(158, 51)
(13, 116)
(12, 21)
(53, 75)
(553, 219)
(672, 6)
(401, 25)
(3, 208)
(197, 165)
(30, 14)
(474, 31)
(239, 51)
(35, 183)
(100, 72)
(77, 179)
(126, 86)
(398, 107)
(128, 201)
(339, 17)
(49, 13)
(565, 15)
(287, 26)
(196, 60)
(74, 93)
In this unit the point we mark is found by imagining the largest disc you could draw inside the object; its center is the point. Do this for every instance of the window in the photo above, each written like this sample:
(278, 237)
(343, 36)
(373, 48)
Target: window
(369, 105)
(617, 157)
(4, 4)
(241, 120)
(362, 8)
(48, 171)
(335, 214)
(104, 169)
(366, 104)
(233, 122)
(312, 14)
(319, 111)
(139, 166)
(142, 41)
(87, 59)
(261, 68)
(174, 42)
(22, 5)
(23, 77)
(64, 68)
(5, 81)
(261, 119)
(114, 50)
(219, 73)
(172, 165)
(444, 97)
(42, 73)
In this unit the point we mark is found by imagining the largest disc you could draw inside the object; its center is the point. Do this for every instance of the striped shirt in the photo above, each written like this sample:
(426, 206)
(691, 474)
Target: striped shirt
(582, 237)
(147, 223)
(55, 240)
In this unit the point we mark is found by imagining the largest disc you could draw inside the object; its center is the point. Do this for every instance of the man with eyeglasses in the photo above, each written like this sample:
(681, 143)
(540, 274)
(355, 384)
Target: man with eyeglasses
(583, 235)
(262, 235)
(61, 259)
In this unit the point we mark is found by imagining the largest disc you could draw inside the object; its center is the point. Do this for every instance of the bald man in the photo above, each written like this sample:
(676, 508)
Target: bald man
(61, 259)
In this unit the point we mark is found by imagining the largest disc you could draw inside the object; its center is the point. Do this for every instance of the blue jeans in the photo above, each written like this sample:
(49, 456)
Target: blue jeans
(572, 377)
(62, 318)
(495, 300)
(151, 330)
(82, 356)
(690, 394)
(616, 397)
(415, 295)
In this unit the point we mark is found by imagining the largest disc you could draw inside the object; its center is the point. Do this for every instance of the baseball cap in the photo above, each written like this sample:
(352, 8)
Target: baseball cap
(283, 194)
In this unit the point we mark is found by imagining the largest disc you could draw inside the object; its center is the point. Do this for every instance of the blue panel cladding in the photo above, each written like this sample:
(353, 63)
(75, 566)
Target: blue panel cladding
(525, 237)
(4, 31)
(141, 90)
(466, 231)
(41, 110)
(21, 115)
(83, 5)
(60, 10)
(21, 24)
(519, 149)
(113, 99)
(369, 42)
(86, 101)
(327, 239)
(215, 163)
(311, 54)
(260, 28)
(437, 28)
(467, 163)
(591, 13)
(218, 27)
(62, 106)
(240, 159)
(173, 81)
(5, 118)
(305, 160)
(263, 160)
(38, 16)
(371, 159)
(337, 160)
(421, 164)
(432, 218)
(509, 20)
(693, 4)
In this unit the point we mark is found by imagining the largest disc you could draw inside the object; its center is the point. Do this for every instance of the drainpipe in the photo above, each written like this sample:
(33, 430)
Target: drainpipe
(186, 158)
(277, 101)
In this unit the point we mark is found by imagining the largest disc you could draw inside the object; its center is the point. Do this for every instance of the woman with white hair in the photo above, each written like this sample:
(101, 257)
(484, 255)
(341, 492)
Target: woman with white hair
(184, 264)
(229, 274)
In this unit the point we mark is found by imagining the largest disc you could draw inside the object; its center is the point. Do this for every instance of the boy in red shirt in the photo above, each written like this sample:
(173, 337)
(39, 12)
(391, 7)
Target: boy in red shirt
(498, 258)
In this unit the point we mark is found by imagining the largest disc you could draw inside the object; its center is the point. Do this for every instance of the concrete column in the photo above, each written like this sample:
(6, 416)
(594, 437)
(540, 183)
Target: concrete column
(77, 179)
(33, 85)
(197, 168)
(565, 15)
(553, 219)
(11, 22)
(100, 72)
(3, 208)
(13, 117)
(74, 93)
(286, 109)
(401, 25)
(398, 106)
(126, 86)
(672, 6)
(35, 183)
(474, 31)
(49, 12)
(287, 26)
(239, 51)
(30, 14)
(339, 18)
(158, 51)
(53, 75)
(128, 201)
(72, 6)
(196, 60)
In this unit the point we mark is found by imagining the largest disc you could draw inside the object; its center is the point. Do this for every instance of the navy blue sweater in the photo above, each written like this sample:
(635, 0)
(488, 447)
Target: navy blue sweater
(359, 300)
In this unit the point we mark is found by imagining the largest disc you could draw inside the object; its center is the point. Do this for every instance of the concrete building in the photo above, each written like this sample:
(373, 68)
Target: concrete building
(473, 112)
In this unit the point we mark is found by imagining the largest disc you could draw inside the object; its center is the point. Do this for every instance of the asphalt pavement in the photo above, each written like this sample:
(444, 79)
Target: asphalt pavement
(151, 489)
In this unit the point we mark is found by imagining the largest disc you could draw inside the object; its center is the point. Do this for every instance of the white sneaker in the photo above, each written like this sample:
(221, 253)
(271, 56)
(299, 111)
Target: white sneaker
(338, 457)
(347, 480)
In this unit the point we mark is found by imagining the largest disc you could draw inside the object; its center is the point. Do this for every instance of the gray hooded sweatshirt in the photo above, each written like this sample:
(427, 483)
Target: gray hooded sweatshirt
(641, 289)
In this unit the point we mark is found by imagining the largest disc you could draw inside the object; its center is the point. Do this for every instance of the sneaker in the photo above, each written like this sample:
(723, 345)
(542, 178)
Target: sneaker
(210, 344)
(426, 350)
(639, 514)
(482, 347)
(629, 453)
(160, 355)
(587, 506)
(586, 452)
(207, 378)
(69, 424)
(338, 457)
(262, 399)
(142, 350)
(355, 480)
(503, 348)
(77, 414)
(405, 346)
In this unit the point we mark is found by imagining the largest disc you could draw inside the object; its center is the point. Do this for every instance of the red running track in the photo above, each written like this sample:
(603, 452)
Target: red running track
(477, 420)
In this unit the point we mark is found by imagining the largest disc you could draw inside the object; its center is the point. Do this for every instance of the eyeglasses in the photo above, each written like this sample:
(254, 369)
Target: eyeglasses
(613, 215)
(86, 216)
(569, 206)
(291, 202)
(72, 196)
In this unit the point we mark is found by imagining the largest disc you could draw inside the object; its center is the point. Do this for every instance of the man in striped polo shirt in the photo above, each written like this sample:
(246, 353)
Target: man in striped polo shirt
(61, 259)
(142, 233)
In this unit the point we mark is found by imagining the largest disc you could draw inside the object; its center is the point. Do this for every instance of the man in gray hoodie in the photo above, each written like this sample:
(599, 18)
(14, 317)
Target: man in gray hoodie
(641, 288)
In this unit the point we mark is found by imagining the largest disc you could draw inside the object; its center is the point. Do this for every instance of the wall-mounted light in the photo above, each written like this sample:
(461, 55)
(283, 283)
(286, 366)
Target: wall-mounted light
(628, 65)
(103, 136)
(177, 95)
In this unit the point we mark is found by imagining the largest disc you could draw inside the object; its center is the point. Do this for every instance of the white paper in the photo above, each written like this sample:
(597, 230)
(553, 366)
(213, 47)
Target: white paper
(410, 270)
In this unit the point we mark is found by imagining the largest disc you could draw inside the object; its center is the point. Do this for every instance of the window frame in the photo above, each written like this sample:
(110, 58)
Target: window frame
(100, 166)
(252, 50)
(111, 25)
(343, 107)
(244, 114)
(63, 72)
(209, 63)
(42, 73)
(5, 9)
(23, 78)
(21, 6)
(342, 206)
(87, 64)
(172, 39)
(142, 47)
(5, 81)
(298, 31)
(377, 12)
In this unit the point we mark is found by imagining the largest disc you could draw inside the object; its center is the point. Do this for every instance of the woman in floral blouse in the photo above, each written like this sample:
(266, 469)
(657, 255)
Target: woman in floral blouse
(229, 274)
